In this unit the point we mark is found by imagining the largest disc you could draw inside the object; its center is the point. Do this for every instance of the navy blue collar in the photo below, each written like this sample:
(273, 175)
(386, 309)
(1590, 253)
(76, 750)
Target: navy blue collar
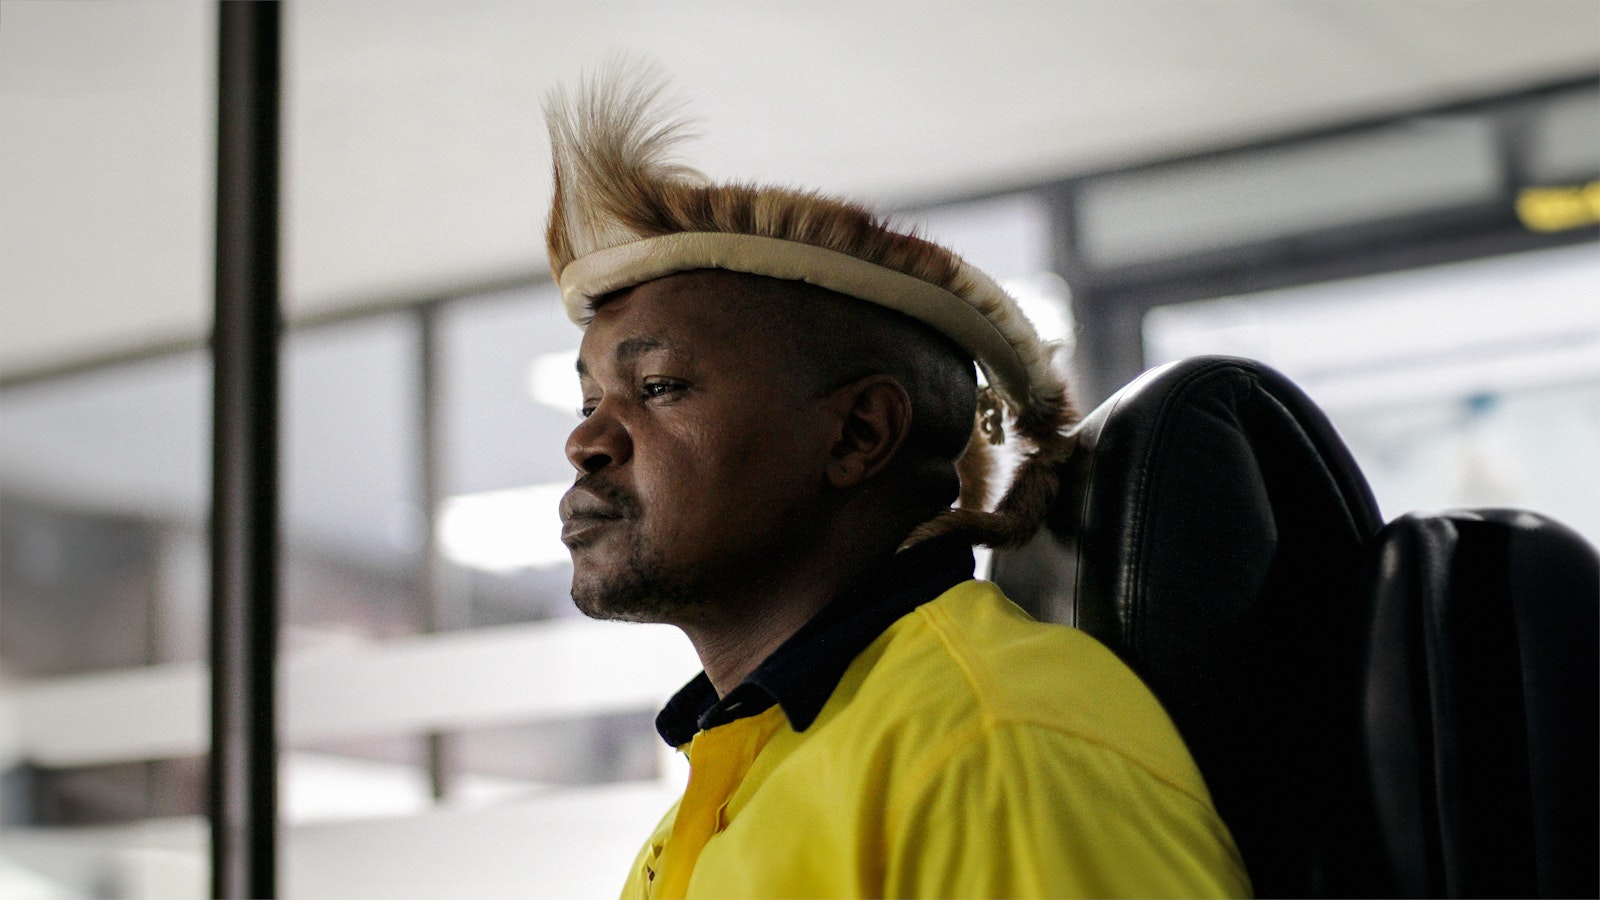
(801, 674)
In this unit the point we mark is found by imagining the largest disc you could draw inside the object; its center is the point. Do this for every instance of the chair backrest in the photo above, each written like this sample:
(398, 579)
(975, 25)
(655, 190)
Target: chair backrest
(1482, 705)
(1212, 531)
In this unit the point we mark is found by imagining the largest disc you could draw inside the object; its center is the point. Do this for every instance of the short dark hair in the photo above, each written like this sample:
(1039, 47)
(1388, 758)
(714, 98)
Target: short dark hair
(837, 339)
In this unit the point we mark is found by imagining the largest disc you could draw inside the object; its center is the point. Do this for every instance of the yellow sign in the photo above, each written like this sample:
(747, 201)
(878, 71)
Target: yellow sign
(1559, 209)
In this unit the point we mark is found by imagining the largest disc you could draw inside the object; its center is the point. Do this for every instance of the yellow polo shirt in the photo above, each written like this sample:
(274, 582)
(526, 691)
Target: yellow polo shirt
(969, 751)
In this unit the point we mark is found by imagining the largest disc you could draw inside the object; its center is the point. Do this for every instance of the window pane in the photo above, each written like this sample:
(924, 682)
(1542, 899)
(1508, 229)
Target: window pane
(1243, 198)
(103, 583)
(1475, 384)
(352, 516)
(510, 394)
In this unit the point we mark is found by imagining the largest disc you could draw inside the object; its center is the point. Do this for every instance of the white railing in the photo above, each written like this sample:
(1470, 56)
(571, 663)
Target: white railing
(441, 682)
(552, 842)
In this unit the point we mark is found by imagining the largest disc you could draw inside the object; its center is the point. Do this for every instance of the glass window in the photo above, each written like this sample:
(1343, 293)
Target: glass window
(1564, 138)
(104, 481)
(509, 389)
(1180, 209)
(351, 506)
(1012, 239)
(1474, 384)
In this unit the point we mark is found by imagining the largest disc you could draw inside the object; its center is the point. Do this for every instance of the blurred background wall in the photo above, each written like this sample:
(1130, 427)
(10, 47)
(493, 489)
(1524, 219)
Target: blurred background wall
(1395, 203)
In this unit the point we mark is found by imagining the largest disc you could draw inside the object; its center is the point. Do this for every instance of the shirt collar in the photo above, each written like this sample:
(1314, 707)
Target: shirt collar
(802, 673)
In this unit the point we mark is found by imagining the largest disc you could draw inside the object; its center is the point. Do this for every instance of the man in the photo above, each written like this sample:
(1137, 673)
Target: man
(779, 407)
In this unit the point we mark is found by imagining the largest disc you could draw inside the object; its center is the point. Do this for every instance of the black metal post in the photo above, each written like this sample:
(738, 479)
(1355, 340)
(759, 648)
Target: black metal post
(436, 594)
(244, 619)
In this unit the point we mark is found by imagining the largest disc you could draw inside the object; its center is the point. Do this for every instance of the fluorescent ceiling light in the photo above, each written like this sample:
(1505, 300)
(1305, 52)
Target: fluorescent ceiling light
(504, 531)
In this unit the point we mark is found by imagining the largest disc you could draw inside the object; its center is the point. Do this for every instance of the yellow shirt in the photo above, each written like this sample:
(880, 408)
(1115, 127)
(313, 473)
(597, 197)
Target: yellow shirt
(969, 751)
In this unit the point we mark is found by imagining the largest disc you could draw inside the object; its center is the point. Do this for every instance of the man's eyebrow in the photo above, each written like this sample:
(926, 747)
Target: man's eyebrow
(632, 349)
(635, 347)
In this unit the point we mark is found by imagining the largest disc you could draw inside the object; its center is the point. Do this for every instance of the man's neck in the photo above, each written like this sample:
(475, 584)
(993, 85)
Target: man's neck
(729, 654)
(738, 634)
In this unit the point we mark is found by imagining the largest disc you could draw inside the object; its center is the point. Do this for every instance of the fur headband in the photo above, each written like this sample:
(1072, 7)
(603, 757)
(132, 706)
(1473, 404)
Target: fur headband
(624, 212)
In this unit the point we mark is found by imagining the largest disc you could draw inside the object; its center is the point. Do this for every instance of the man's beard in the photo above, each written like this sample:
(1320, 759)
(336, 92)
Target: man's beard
(647, 589)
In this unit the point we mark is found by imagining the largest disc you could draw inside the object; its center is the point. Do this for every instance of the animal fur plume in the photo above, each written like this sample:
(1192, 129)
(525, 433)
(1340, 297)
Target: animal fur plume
(614, 175)
(617, 183)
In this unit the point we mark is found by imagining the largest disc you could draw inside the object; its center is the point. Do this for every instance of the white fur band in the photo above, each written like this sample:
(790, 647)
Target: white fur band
(613, 268)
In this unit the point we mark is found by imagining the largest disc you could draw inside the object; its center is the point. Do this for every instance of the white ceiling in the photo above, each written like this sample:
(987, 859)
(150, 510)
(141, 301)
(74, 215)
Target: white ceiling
(414, 153)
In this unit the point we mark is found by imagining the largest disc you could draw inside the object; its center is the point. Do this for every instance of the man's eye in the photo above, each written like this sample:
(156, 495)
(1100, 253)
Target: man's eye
(586, 410)
(659, 388)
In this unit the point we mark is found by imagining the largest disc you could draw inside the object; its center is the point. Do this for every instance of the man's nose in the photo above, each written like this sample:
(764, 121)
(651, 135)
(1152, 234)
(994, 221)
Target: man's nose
(598, 441)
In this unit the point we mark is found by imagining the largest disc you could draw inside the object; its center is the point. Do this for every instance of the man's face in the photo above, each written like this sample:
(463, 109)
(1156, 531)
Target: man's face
(700, 460)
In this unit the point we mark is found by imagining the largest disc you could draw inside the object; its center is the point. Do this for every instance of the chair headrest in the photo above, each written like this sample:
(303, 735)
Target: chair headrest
(1220, 451)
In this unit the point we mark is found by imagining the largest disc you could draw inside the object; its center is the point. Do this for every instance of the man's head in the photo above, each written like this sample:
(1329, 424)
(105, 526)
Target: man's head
(836, 287)
(738, 426)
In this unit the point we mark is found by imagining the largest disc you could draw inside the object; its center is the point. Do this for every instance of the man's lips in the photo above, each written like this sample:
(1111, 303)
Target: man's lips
(584, 513)
(580, 530)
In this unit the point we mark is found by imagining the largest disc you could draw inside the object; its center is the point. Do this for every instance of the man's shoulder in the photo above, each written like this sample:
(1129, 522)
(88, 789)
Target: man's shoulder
(970, 663)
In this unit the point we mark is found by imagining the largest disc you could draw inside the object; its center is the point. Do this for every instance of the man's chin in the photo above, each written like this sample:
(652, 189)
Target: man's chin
(605, 606)
(629, 596)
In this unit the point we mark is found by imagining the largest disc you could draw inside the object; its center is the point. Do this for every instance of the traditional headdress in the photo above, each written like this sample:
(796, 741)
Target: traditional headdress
(624, 212)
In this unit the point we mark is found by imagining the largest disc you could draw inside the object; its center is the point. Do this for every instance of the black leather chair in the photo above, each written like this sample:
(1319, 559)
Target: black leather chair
(1214, 531)
(1481, 693)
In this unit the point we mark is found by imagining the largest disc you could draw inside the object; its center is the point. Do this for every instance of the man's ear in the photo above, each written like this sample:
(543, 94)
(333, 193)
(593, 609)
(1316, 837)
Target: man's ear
(874, 417)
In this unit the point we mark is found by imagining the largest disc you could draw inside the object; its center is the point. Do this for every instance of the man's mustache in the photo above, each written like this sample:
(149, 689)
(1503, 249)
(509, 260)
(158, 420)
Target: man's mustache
(622, 503)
